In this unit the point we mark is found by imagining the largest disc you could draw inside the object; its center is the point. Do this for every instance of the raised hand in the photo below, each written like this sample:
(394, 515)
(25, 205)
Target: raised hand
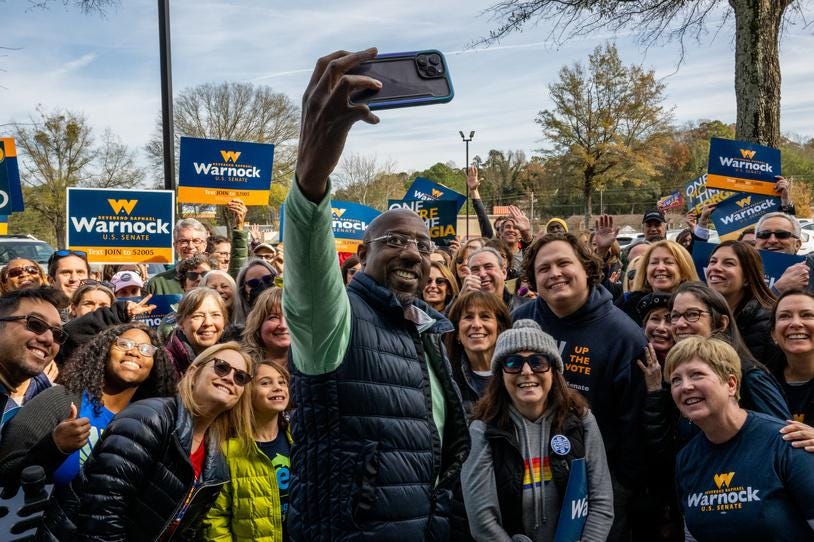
(605, 234)
(239, 210)
(651, 368)
(520, 219)
(327, 117)
(472, 180)
(72, 433)
(134, 309)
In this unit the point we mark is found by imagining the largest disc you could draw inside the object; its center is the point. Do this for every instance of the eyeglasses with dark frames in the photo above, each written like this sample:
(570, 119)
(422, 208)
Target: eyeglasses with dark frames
(690, 315)
(23, 270)
(781, 235)
(513, 364)
(38, 326)
(223, 368)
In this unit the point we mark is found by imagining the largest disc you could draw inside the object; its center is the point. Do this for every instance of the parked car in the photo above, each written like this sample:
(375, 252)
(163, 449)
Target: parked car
(24, 246)
(807, 242)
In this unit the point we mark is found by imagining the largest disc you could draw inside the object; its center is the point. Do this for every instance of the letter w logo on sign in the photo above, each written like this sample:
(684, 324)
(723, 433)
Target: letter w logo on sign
(724, 479)
(436, 193)
(338, 212)
(119, 205)
(230, 156)
(744, 202)
(749, 154)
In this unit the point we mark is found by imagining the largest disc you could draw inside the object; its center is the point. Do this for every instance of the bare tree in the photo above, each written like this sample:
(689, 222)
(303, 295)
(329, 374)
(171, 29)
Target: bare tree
(757, 31)
(366, 180)
(57, 151)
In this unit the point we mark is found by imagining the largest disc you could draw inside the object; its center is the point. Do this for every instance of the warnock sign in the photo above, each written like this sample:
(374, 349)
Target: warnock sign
(215, 171)
(440, 216)
(735, 214)
(741, 166)
(697, 194)
(121, 226)
(11, 195)
(427, 190)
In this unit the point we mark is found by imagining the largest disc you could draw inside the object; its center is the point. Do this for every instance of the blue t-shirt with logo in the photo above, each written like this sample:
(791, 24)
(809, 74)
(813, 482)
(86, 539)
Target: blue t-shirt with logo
(755, 487)
(279, 451)
(98, 421)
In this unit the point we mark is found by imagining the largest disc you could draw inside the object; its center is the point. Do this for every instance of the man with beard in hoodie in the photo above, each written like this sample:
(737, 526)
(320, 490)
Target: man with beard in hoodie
(379, 427)
(599, 345)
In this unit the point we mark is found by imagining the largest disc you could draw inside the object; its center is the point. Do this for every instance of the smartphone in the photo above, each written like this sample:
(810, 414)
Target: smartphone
(408, 79)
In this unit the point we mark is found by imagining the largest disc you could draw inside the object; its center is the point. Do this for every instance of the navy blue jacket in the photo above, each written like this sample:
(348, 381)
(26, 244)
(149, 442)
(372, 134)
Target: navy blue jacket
(599, 345)
(369, 463)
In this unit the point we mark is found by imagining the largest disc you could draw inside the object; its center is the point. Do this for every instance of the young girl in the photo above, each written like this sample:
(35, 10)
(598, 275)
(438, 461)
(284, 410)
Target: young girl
(254, 504)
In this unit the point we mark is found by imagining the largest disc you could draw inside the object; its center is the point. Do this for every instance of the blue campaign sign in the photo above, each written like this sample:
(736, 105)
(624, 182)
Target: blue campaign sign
(349, 221)
(742, 210)
(741, 166)
(574, 511)
(697, 194)
(121, 226)
(441, 216)
(774, 263)
(11, 193)
(164, 305)
(216, 171)
(425, 189)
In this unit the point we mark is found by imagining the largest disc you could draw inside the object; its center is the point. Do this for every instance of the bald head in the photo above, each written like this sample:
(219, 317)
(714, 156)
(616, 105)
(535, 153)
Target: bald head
(385, 221)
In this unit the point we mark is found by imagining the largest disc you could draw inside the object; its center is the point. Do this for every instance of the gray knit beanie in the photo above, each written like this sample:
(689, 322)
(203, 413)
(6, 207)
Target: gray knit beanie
(526, 336)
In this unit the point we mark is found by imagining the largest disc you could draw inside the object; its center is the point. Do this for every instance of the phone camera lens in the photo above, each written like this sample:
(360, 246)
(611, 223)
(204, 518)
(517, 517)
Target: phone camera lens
(421, 60)
(435, 60)
(431, 70)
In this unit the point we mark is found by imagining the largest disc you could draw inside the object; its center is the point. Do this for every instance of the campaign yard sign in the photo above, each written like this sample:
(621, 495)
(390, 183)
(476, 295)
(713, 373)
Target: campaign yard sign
(121, 226)
(697, 194)
(349, 221)
(671, 201)
(774, 263)
(164, 304)
(425, 189)
(441, 217)
(574, 511)
(216, 171)
(11, 193)
(741, 166)
(3, 225)
(735, 214)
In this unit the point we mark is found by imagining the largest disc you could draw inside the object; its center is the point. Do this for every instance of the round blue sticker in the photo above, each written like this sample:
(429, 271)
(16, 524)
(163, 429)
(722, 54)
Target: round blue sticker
(560, 444)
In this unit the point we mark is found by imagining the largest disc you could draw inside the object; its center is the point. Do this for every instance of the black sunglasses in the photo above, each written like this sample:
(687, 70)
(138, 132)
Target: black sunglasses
(537, 362)
(58, 254)
(265, 282)
(780, 234)
(194, 275)
(25, 269)
(438, 281)
(94, 282)
(222, 368)
(38, 326)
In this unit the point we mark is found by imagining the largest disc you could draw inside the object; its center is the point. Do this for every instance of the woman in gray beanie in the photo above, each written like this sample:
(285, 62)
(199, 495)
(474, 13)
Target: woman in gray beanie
(526, 431)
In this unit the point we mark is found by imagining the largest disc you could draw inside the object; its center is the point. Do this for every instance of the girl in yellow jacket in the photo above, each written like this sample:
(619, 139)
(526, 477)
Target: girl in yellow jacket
(253, 505)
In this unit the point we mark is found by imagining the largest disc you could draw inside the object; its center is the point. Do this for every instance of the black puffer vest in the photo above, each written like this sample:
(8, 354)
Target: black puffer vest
(368, 453)
(509, 468)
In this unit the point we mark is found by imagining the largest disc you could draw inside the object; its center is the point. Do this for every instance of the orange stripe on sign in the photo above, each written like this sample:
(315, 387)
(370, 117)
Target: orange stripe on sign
(736, 184)
(9, 146)
(126, 254)
(347, 245)
(221, 196)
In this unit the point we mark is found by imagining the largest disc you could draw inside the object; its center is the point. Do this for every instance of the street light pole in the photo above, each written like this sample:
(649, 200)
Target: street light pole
(466, 172)
(167, 127)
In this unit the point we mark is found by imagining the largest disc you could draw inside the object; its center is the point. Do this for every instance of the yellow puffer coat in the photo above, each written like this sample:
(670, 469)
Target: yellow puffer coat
(248, 508)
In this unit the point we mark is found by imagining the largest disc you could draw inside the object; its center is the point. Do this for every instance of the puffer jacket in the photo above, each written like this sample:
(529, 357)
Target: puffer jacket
(137, 479)
(754, 324)
(248, 508)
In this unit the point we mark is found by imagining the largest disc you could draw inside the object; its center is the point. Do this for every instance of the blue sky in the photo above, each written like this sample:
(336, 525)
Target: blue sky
(108, 68)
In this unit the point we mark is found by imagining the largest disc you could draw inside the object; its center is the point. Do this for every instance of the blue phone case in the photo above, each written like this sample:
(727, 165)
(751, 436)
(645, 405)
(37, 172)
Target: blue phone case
(402, 80)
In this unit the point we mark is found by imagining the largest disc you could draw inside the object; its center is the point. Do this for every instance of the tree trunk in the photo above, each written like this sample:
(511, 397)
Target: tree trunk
(587, 192)
(757, 69)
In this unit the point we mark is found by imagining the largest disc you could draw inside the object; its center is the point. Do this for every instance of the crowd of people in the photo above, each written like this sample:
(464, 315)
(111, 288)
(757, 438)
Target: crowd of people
(415, 392)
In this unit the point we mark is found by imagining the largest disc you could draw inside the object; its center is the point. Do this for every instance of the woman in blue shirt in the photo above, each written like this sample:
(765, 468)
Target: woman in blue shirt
(738, 480)
(59, 427)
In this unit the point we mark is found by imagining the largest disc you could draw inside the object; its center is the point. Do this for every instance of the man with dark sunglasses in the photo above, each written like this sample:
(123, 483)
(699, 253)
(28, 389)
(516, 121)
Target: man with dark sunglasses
(379, 426)
(780, 232)
(30, 335)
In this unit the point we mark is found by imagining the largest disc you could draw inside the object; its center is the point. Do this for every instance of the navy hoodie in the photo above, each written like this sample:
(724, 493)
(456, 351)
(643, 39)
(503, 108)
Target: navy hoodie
(599, 345)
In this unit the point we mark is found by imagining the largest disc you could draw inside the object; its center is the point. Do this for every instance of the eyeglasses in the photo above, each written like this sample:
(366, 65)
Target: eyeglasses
(538, 363)
(223, 368)
(187, 242)
(94, 282)
(690, 315)
(194, 275)
(779, 234)
(397, 240)
(263, 282)
(38, 326)
(58, 254)
(23, 270)
(146, 350)
(438, 281)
